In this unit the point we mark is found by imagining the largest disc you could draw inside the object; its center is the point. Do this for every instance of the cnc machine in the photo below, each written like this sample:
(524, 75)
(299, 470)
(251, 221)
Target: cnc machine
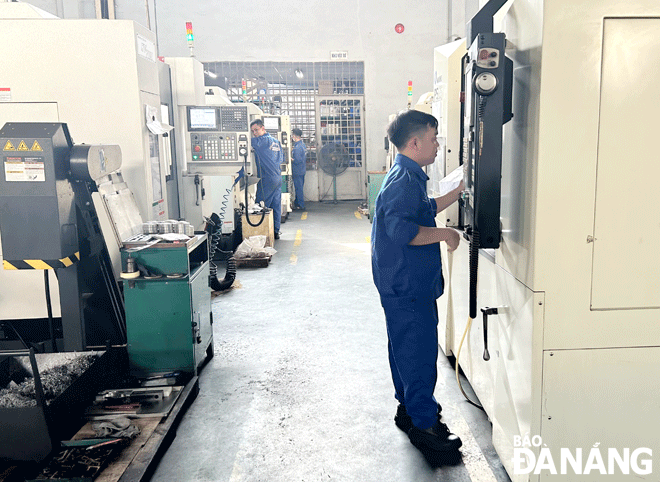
(565, 344)
(106, 90)
(213, 146)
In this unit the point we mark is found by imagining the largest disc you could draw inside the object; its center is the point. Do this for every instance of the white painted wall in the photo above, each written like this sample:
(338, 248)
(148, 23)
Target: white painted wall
(298, 30)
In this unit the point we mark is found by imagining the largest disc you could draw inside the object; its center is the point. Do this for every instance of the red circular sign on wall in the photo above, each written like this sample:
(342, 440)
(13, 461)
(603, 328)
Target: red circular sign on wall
(399, 28)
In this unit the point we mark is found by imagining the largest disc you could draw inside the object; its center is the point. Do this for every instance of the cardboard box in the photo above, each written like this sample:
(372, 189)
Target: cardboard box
(266, 228)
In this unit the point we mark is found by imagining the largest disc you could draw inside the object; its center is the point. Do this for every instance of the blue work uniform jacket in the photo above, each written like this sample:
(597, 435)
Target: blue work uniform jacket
(299, 154)
(400, 270)
(269, 157)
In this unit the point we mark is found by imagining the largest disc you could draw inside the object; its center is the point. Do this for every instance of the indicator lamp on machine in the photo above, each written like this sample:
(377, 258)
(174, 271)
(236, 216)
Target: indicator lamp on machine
(189, 36)
(244, 86)
(409, 93)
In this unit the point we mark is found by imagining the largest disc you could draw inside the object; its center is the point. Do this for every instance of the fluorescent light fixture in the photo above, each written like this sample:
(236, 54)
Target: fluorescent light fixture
(299, 73)
(213, 75)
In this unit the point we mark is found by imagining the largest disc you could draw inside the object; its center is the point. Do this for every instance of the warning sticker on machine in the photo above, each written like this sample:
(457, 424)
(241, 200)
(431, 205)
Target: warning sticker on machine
(25, 169)
(5, 94)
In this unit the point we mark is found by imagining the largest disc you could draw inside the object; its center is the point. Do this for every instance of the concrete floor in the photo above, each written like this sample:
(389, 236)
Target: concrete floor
(299, 388)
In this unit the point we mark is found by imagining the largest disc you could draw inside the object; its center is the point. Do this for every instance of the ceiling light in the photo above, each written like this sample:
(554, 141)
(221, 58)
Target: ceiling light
(213, 75)
(299, 73)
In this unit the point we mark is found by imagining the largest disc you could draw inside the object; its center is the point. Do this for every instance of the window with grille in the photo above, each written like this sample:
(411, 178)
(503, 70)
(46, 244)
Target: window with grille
(290, 88)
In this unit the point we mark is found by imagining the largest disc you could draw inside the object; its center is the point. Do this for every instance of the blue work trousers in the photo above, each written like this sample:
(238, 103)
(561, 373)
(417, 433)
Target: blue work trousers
(412, 332)
(270, 192)
(298, 184)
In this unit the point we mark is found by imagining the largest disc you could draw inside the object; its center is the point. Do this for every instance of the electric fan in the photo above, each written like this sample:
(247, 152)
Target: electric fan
(334, 160)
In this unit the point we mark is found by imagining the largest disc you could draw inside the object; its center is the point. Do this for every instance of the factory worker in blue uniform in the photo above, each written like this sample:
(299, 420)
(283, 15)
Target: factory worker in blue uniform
(298, 168)
(406, 267)
(269, 157)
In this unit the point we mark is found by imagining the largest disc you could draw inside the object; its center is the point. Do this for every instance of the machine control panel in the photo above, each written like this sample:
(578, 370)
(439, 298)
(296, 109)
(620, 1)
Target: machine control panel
(218, 135)
(210, 147)
(233, 118)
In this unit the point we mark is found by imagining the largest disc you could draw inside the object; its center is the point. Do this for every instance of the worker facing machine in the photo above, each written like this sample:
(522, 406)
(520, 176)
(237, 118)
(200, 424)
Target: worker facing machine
(408, 275)
(268, 157)
(298, 167)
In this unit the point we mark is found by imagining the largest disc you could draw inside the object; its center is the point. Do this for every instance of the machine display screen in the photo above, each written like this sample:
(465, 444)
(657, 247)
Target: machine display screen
(271, 123)
(202, 118)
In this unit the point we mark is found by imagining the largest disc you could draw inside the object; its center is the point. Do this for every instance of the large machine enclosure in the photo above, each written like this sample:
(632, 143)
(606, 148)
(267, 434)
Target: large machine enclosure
(576, 280)
(102, 95)
(101, 88)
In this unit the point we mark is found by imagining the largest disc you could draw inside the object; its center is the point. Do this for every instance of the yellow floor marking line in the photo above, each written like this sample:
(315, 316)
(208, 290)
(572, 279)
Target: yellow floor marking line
(368, 238)
(298, 241)
(358, 215)
(303, 216)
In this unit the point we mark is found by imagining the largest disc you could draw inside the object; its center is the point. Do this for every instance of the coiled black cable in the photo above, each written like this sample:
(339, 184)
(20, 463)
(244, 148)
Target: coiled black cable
(474, 266)
(214, 230)
(247, 214)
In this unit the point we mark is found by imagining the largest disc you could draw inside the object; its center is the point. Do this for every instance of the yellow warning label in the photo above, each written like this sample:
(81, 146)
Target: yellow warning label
(9, 146)
(36, 147)
(23, 147)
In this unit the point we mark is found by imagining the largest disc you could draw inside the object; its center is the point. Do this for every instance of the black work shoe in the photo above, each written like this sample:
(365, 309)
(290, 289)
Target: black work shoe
(277, 235)
(403, 420)
(438, 440)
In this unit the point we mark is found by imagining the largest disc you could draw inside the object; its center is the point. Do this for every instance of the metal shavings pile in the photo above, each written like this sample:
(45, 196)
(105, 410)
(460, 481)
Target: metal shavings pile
(55, 381)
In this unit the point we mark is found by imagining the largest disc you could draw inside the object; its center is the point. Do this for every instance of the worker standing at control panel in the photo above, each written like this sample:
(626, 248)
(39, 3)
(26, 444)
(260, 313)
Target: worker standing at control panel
(407, 271)
(269, 158)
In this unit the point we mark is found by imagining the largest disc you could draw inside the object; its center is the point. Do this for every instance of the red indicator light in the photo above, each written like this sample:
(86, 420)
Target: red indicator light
(399, 28)
(483, 54)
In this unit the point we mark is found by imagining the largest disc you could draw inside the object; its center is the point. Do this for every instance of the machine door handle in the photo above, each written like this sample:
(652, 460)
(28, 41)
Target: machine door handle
(485, 312)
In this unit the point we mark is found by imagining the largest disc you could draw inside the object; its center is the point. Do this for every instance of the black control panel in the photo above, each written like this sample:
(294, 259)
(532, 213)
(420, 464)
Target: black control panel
(487, 79)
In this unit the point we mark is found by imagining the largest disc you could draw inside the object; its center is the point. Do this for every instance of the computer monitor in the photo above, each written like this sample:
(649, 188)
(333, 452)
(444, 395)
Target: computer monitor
(271, 123)
(202, 119)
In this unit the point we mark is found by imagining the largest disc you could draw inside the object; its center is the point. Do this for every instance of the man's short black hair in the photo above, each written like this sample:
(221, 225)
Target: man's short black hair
(296, 132)
(258, 122)
(407, 124)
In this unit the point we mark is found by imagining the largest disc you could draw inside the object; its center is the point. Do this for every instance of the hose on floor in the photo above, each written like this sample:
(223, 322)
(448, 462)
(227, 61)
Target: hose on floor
(458, 354)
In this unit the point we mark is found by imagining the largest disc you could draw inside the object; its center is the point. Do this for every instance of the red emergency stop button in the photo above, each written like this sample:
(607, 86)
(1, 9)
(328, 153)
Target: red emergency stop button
(197, 148)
